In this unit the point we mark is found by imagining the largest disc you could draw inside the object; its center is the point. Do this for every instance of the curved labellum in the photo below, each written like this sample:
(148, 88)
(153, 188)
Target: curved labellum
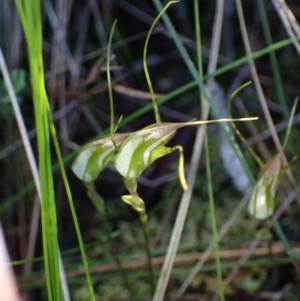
(95, 156)
(136, 203)
(261, 204)
(143, 147)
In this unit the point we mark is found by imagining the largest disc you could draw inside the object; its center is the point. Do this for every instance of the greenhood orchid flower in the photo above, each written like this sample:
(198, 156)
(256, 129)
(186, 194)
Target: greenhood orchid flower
(261, 204)
(141, 148)
(95, 156)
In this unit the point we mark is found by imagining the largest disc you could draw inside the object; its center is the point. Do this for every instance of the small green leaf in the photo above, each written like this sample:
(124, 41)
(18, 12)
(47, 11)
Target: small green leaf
(95, 156)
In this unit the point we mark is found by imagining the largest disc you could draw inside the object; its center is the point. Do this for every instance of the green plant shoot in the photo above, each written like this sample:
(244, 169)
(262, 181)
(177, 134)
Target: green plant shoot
(261, 204)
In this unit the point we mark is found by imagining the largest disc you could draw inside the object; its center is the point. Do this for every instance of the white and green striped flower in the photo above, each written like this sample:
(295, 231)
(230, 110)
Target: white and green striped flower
(261, 204)
(95, 156)
(142, 148)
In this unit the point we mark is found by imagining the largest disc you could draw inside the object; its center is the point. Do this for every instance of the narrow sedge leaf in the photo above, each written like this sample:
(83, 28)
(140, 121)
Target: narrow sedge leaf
(261, 204)
(95, 156)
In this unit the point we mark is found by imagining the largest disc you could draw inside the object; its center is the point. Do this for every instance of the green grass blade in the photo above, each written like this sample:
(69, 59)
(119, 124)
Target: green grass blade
(72, 207)
(30, 14)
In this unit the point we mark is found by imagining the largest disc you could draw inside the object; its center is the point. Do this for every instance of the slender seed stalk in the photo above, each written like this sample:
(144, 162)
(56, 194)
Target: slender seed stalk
(139, 206)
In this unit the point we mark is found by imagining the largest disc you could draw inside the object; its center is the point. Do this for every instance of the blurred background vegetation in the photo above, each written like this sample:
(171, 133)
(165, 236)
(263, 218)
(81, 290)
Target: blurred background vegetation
(75, 35)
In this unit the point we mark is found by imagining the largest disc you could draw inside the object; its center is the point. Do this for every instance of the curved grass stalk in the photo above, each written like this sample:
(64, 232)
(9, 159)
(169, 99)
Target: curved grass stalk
(155, 107)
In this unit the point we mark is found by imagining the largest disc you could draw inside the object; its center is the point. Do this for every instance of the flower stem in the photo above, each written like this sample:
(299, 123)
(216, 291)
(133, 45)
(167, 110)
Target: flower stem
(98, 202)
(143, 218)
